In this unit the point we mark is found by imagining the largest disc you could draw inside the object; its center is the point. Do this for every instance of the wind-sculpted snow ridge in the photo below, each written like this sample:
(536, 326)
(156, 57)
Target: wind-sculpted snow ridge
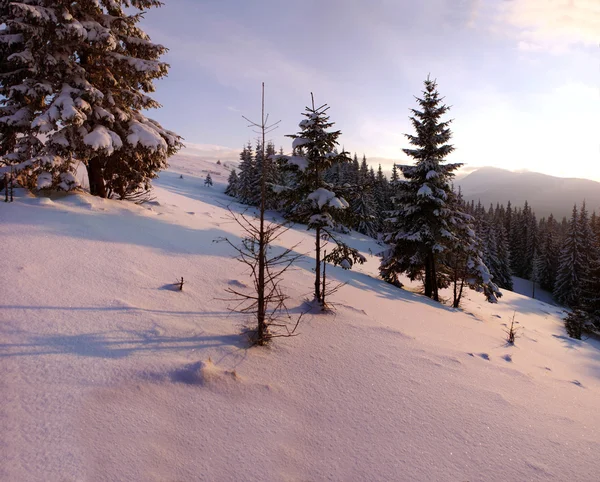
(107, 375)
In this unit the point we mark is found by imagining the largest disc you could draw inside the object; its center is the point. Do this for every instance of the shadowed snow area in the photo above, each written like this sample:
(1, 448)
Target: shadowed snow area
(109, 372)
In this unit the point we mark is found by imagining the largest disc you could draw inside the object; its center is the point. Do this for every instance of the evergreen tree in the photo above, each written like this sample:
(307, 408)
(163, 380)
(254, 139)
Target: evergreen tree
(548, 254)
(395, 176)
(463, 261)
(363, 209)
(253, 196)
(363, 173)
(586, 235)
(595, 226)
(382, 198)
(531, 241)
(354, 170)
(567, 289)
(311, 199)
(208, 181)
(372, 177)
(74, 79)
(422, 222)
(247, 175)
(232, 184)
(503, 276)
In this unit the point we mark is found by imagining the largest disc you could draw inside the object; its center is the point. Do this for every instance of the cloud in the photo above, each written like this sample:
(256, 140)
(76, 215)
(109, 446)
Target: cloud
(239, 57)
(554, 25)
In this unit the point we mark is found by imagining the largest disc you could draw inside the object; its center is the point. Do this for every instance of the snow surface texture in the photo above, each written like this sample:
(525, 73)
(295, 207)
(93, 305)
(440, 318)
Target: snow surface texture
(108, 373)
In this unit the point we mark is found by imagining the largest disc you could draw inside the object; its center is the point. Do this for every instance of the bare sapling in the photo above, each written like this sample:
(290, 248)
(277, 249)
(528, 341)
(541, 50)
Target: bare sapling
(267, 301)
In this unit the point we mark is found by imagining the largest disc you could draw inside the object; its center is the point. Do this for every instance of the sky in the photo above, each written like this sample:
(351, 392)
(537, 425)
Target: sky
(522, 77)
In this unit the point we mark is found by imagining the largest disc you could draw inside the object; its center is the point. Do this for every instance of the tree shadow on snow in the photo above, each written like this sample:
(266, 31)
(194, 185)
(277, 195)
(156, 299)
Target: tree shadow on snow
(383, 289)
(143, 228)
(120, 344)
(530, 306)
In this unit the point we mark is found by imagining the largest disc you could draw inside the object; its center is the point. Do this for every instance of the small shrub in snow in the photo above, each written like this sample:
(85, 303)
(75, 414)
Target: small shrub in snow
(575, 323)
(511, 332)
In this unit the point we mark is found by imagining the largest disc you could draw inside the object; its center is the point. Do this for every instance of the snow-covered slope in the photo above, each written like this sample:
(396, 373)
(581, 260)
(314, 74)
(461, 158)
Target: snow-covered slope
(107, 373)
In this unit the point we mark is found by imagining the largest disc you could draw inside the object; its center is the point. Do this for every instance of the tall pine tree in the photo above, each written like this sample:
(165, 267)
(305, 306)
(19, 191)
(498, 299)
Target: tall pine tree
(567, 289)
(421, 223)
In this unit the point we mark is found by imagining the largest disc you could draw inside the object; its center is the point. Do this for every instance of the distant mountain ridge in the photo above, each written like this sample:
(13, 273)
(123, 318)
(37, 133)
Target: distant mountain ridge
(545, 194)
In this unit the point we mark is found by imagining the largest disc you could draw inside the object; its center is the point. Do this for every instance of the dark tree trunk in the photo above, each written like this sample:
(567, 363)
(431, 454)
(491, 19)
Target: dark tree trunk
(434, 281)
(96, 178)
(324, 279)
(458, 295)
(427, 277)
(318, 264)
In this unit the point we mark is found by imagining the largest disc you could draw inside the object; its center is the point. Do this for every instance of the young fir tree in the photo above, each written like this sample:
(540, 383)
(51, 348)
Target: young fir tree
(421, 228)
(311, 199)
(74, 80)
(265, 299)
(208, 181)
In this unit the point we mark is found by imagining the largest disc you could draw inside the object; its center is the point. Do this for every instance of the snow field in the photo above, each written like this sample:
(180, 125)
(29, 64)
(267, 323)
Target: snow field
(108, 373)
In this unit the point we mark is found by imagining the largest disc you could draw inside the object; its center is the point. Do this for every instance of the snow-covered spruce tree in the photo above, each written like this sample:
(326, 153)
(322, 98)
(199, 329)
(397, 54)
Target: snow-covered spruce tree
(75, 79)
(382, 198)
(363, 208)
(463, 260)
(208, 181)
(567, 289)
(247, 174)
(270, 175)
(548, 254)
(421, 229)
(362, 202)
(591, 288)
(363, 171)
(311, 199)
(255, 180)
(503, 277)
(232, 184)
